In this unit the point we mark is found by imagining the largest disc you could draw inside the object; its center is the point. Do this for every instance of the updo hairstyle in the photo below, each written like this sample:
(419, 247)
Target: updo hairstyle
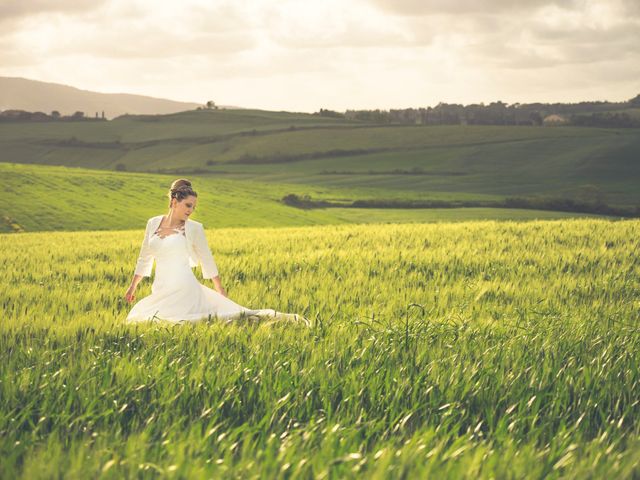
(180, 189)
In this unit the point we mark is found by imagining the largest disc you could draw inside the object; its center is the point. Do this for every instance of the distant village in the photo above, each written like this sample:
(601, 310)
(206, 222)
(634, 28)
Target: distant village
(54, 116)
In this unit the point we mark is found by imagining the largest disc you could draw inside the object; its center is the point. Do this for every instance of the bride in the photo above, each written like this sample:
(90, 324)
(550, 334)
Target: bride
(178, 244)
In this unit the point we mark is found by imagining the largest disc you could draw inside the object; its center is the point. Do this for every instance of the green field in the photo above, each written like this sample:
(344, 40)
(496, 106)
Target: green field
(475, 349)
(442, 344)
(282, 147)
(40, 198)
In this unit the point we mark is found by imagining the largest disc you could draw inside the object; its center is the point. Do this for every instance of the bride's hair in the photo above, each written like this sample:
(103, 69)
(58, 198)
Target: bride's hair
(181, 189)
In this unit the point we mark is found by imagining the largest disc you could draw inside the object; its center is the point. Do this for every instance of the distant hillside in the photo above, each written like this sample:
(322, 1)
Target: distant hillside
(461, 162)
(61, 198)
(32, 95)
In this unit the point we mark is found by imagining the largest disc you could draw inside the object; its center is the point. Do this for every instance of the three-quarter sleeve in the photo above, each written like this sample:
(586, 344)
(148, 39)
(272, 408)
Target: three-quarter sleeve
(208, 264)
(145, 259)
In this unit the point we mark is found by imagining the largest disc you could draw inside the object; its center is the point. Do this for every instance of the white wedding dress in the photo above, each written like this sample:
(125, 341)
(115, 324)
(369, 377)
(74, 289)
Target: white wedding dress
(178, 296)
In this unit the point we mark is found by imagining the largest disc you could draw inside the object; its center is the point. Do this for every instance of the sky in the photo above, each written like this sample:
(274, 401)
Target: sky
(301, 56)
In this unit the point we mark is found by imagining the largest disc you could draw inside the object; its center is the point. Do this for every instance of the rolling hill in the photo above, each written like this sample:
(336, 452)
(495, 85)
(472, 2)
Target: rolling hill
(580, 163)
(33, 95)
(46, 198)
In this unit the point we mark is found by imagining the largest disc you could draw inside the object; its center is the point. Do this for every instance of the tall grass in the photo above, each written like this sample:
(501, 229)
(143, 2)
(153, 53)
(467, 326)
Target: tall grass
(463, 350)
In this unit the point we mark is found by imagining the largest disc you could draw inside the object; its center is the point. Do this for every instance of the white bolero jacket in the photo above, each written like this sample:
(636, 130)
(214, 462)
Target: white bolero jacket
(199, 252)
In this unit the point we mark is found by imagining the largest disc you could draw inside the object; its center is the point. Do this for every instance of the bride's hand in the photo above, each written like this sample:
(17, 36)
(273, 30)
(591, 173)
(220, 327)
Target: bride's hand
(217, 284)
(130, 295)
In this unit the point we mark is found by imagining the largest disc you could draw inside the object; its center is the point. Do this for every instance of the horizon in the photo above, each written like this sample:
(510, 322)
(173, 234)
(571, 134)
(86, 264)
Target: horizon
(365, 55)
(232, 107)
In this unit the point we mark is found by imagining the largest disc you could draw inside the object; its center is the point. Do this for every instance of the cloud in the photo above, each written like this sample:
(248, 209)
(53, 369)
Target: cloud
(152, 42)
(131, 30)
(466, 7)
(15, 9)
(293, 24)
(548, 35)
(287, 54)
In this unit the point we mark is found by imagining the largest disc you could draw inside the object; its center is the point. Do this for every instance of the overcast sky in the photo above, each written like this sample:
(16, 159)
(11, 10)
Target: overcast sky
(303, 55)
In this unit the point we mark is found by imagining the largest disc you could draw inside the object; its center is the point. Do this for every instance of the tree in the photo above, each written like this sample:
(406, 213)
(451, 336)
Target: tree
(536, 118)
(55, 114)
(635, 101)
(329, 113)
(211, 105)
(78, 114)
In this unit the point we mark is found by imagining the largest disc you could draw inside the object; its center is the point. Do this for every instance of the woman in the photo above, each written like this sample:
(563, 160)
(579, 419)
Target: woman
(177, 244)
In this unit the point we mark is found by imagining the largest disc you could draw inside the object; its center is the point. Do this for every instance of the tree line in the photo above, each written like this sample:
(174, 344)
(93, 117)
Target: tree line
(594, 113)
(55, 115)
(536, 203)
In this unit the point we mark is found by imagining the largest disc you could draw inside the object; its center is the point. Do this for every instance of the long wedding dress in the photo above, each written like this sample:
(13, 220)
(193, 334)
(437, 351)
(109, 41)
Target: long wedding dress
(178, 296)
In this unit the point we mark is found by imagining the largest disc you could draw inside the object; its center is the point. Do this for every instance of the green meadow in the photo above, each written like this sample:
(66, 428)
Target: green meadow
(444, 342)
(44, 198)
(478, 349)
(281, 147)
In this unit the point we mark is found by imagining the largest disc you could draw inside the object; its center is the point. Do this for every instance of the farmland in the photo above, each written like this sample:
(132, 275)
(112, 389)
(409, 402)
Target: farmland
(475, 349)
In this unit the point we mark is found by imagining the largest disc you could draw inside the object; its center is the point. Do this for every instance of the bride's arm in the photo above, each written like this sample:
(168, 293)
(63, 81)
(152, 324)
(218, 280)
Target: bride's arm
(208, 264)
(218, 284)
(143, 266)
(131, 291)
(145, 259)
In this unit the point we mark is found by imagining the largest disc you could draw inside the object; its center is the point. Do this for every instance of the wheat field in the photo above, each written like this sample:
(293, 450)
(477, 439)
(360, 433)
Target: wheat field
(477, 349)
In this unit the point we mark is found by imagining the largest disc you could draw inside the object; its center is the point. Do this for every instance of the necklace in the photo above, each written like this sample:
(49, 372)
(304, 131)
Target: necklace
(169, 230)
(179, 225)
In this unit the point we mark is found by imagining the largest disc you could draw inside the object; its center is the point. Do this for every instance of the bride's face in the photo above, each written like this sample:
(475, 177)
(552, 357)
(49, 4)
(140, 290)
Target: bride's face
(183, 209)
